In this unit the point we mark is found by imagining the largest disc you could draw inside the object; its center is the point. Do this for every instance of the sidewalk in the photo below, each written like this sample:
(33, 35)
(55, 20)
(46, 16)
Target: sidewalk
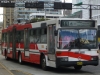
(4, 70)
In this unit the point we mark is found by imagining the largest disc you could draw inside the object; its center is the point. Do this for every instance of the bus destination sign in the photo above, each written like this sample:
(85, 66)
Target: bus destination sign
(77, 23)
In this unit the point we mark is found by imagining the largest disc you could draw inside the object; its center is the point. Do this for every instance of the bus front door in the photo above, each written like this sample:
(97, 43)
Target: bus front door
(51, 43)
(26, 43)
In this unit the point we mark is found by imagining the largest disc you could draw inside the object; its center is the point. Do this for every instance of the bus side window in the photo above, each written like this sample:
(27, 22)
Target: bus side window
(18, 37)
(44, 35)
(21, 34)
(38, 35)
(31, 36)
(2, 37)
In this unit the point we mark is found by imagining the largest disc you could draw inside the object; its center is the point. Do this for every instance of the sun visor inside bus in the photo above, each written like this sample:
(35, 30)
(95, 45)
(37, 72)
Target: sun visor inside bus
(43, 25)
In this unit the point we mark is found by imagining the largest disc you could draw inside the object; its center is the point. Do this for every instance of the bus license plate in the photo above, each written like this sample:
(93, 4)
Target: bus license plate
(79, 63)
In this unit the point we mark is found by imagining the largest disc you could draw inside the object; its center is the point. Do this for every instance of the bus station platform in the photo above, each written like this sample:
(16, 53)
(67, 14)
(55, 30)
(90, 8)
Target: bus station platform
(4, 70)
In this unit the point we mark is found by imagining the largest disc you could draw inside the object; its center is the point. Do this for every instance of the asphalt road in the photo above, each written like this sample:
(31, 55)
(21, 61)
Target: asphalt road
(33, 69)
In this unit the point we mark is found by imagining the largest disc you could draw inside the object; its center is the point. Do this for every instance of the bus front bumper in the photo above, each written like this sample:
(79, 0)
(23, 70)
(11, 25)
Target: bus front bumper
(59, 63)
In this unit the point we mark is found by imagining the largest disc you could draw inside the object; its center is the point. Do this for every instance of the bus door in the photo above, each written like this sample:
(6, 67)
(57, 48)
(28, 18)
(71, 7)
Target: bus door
(51, 43)
(26, 42)
(14, 43)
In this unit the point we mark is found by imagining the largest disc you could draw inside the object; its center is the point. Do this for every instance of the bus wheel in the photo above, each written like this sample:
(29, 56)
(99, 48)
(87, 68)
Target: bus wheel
(43, 63)
(6, 57)
(77, 67)
(20, 58)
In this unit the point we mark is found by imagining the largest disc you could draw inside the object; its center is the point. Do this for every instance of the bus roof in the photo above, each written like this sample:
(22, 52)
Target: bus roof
(38, 24)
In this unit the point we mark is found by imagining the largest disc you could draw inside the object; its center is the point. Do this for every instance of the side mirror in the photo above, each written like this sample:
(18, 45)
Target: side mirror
(55, 32)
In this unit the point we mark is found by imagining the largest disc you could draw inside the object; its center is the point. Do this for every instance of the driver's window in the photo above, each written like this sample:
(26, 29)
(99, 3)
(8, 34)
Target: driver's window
(67, 38)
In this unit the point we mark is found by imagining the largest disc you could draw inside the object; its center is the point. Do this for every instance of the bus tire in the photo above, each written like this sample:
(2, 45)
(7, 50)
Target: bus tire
(77, 67)
(6, 57)
(43, 63)
(20, 58)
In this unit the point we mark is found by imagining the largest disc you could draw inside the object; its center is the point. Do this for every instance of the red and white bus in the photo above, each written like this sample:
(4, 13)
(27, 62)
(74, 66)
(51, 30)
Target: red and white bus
(54, 43)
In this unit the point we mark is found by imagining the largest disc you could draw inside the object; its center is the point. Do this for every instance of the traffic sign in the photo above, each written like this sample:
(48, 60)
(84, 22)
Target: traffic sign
(7, 4)
(34, 5)
(60, 5)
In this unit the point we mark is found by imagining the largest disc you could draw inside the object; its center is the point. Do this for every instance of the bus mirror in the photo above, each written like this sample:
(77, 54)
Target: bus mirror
(55, 33)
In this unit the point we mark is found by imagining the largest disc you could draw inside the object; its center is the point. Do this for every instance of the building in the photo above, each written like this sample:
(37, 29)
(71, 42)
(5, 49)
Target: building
(77, 5)
(21, 13)
(96, 13)
(77, 14)
(67, 12)
(1, 27)
(8, 17)
(42, 15)
(86, 12)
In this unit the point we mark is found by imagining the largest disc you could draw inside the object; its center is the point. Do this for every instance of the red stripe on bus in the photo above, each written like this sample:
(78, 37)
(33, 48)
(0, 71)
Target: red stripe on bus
(73, 54)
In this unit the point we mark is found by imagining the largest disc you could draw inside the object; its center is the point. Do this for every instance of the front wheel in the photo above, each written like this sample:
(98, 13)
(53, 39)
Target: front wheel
(77, 67)
(43, 63)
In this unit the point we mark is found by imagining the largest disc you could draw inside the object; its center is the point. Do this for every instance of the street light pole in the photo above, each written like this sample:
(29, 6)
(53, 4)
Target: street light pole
(90, 12)
(64, 9)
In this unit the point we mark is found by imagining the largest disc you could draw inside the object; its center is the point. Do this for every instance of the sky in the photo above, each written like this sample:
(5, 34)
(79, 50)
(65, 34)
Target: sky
(1, 10)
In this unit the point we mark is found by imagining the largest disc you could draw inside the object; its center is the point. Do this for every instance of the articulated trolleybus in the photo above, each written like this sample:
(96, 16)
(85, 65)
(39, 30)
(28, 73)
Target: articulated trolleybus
(54, 43)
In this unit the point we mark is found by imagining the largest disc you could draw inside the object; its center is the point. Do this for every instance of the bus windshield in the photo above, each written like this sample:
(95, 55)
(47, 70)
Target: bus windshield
(75, 38)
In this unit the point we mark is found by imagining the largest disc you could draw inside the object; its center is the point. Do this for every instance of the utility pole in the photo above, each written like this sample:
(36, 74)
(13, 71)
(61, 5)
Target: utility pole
(90, 12)
(64, 9)
(45, 12)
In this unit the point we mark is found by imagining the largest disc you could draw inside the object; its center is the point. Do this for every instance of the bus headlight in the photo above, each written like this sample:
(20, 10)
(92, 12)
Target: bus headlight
(94, 58)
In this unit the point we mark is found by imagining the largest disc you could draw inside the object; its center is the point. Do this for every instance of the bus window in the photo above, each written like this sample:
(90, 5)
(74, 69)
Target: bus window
(10, 37)
(38, 35)
(32, 35)
(44, 35)
(4, 37)
(18, 36)
(21, 36)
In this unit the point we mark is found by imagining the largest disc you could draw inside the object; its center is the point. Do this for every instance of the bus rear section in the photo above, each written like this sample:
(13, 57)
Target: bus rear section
(77, 46)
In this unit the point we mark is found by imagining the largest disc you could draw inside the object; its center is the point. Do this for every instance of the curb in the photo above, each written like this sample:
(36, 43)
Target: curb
(6, 69)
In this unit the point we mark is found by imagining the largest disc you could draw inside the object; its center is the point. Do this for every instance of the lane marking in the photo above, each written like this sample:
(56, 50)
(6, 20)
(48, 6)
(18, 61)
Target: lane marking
(6, 69)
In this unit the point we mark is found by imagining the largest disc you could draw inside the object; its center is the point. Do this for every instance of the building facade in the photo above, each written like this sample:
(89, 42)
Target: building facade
(21, 13)
(86, 12)
(8, 17)
(96, 13)
(77, 3)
